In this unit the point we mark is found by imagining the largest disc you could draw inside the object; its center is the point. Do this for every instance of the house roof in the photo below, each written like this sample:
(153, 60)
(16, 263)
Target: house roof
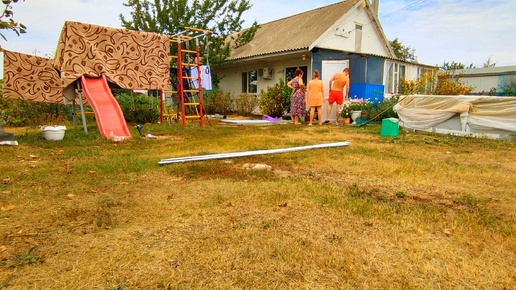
(293, 33)
(487, 71)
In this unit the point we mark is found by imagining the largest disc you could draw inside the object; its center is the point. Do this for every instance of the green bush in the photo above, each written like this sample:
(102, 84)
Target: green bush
(17, 113)
(509, 87)
(275, 102)
(138, 108)
(245, 104)
(218, 102)
(379, 110)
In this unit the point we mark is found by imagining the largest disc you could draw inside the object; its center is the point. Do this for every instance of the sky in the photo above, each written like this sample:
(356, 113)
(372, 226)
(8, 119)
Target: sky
(465, 31)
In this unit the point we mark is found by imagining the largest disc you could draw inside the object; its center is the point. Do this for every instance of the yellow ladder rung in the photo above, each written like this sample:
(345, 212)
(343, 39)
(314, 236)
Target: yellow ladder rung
(173, 56)
(192, 78)
(192, 104)
(182, 37)
(169, 115)
(188, 51)
(198, 29)
(192, 117)
(189, 64)
(191, 91)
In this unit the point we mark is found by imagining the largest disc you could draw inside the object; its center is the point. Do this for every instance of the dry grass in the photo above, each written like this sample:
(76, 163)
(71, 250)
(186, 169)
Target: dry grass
(412, 212)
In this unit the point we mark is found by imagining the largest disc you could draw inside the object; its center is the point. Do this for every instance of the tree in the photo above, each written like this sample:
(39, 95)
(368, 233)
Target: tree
(169, 17)
(7, 22)
(435, 83)
(455, 65)
(489, 63)
(405, 53)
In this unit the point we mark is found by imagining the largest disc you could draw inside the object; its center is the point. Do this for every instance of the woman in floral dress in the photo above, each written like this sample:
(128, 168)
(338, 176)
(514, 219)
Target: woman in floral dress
(297, 98)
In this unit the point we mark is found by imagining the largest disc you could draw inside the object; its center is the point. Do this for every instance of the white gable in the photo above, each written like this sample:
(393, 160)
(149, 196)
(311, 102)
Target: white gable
(343, 35)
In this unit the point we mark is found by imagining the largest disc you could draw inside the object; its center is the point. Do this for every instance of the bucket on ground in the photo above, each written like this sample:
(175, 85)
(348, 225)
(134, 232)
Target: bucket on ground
(390, 127)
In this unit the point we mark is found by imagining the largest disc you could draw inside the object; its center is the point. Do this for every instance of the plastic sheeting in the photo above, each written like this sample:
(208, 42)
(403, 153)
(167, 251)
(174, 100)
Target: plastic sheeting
(482, 114)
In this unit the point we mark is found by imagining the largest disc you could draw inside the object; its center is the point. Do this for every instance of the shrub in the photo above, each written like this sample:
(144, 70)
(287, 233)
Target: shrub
(218, 102)
(435, 83)
(380, 110)
(509, 87)
(245, 104)
(450, 85)
(138, 108)
(275, 102)
(18, 113)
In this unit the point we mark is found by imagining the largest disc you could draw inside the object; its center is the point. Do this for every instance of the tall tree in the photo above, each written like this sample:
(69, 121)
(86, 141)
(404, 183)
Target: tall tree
(405, 53)
(223, 17)
(455, 65)
(7, 22)
(489, 63)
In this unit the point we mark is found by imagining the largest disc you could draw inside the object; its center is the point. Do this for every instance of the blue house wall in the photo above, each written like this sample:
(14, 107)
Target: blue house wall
(366, 72)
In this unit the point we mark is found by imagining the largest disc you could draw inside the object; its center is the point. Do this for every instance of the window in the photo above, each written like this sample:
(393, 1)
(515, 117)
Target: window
(395, 72)
(291, 71)
(358, 38)
(249, 82)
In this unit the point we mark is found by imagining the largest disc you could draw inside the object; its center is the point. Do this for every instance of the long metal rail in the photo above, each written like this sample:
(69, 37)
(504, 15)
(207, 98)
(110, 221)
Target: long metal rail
(248, 153)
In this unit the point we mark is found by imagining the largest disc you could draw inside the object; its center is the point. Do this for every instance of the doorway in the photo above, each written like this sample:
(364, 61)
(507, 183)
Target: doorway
(329, 67)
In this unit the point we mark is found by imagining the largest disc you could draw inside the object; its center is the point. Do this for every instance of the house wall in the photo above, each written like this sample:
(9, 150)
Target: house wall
(232, 76)
(342, 34)
(481, 84)
(484, 79)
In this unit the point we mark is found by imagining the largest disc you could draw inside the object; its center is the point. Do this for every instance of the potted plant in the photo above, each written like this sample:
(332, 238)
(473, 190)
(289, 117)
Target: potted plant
(54, 131)
(345, 113)
(307, 115)
(356, 106)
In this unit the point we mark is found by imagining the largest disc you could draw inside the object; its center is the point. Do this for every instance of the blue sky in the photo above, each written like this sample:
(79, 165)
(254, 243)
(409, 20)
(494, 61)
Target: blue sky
(467, 31)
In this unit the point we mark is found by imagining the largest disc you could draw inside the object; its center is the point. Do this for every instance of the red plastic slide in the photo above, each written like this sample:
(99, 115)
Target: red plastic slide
(108, 114)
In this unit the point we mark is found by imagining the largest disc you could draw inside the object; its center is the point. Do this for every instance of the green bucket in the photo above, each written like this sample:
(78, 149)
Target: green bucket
(390, 127)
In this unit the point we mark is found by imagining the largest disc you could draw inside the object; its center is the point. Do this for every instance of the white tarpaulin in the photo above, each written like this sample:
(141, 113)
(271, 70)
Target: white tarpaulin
(476, 114)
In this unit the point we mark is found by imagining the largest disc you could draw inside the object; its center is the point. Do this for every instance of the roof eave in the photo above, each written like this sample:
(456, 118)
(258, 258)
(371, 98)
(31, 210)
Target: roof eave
(269, 54)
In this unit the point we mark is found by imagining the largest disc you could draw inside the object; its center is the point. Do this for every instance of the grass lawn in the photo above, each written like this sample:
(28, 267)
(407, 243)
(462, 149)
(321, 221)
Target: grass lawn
(417, 211)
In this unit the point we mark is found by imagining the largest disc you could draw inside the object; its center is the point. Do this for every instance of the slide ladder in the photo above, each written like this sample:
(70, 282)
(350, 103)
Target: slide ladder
(188, 88)
(108, 114)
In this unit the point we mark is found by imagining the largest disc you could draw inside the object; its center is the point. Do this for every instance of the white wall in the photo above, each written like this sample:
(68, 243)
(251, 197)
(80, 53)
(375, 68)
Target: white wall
(371, 39)
(232, 81)
(481, 84)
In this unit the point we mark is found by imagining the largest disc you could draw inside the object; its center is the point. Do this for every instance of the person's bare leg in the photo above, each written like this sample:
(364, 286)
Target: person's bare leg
(319, 115)
(328, 112)
(312, 112)
(337, 111)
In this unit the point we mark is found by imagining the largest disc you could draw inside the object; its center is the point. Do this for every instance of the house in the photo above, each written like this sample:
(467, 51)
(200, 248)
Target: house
(327, 39)
(489, 80)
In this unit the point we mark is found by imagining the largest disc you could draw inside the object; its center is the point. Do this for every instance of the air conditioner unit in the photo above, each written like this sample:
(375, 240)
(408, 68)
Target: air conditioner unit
(267, 73)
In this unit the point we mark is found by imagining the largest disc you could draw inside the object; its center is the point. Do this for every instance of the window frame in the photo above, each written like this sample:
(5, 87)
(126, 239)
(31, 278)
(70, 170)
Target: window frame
(248, 77)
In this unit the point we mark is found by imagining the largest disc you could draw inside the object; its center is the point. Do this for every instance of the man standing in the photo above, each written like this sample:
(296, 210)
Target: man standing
(337, 83)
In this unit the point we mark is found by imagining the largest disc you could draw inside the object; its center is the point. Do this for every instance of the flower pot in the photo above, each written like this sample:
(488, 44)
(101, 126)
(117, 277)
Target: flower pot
(355, 115)
(346, 121)
(53, 132)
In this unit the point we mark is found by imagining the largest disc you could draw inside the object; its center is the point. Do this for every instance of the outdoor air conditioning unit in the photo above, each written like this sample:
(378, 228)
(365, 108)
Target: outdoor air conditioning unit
(267, 73)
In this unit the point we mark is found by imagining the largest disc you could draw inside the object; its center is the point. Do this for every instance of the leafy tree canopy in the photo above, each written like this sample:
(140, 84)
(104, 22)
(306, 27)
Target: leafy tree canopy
(455, 65)
(405, 53)
(458, 65)
(223, 17)
(488, 63)
(6, 19)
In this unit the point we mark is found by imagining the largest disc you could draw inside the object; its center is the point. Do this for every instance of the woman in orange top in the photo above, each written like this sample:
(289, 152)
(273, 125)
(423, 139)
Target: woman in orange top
(314, 97)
